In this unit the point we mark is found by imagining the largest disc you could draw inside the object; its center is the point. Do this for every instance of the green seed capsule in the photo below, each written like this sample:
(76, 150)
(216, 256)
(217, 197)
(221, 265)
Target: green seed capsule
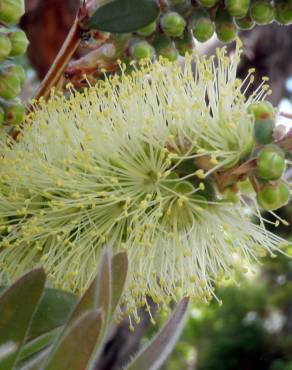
(185, 44)
(237, 8)
(14, 112)
(202, 25)
(180, 6)
(263, 131)
(245, 23)
(19, 43)
(262, 12)
(11, 11)
(2, 115)
(173, 24)
(165, 47)
(10, 85)
(207, 3)
(225, 28)
(261, 110)
(16, 70)
(148, 30)
(270, 163)
(283, 11)
(273, 196)
(142, 50)
(5, 46)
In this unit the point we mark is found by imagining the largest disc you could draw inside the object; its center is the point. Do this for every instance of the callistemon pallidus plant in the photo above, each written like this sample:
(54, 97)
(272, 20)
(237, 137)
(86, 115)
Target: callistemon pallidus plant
(156, 163)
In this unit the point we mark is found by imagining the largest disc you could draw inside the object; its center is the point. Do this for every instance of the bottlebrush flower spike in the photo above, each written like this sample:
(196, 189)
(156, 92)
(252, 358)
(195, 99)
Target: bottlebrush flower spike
(133, 162)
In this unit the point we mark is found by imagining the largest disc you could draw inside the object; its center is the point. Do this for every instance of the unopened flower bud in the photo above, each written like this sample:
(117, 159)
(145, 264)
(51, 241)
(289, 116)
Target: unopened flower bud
(270, 163)
(14, 112)
(225, 28)
(173, 24)
(10, 85)
(237, 8)
(273, 196)
(17, 70)
(185, 44)
(245, 23)
(263, 130)
(147, 30)
(180, 6)
(207, 3)
(262, 110)
(262, 11)
(165, 47)
(202, 25)
(19, 43)
(283, 11)
(11, 11)
(5, 46)
(142, 50)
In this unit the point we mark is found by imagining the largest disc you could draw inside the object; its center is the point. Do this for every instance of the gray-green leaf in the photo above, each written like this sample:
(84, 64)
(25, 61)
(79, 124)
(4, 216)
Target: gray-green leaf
(155, 353)
(17, 306)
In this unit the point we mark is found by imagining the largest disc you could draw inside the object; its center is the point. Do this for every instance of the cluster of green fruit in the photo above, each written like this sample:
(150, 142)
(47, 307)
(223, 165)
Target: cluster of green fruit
(13, 43)
(273, 192)
(183, 20)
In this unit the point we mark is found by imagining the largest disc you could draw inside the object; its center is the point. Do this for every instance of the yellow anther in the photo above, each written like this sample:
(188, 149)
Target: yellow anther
(200, 174)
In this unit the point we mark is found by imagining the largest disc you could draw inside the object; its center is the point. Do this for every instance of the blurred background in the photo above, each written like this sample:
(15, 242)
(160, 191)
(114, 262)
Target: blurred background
(252, 330)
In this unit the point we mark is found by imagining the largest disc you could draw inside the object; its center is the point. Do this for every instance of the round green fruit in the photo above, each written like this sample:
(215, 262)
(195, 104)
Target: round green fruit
(180, 6)
(147, 30)
(165, 47)
(11, 11)
(5, 46)
(273, 196)
(173, 24)
(10, 85)
(237, 8)
(207, 3)
(270, 163)
(263, 131)
(19, 43)
(261, 110)
(142, 50)
(185, 44)
(14, 112)
(283, 11)
(225, 28)
(202, 25)
(262, 12)
(245, 23)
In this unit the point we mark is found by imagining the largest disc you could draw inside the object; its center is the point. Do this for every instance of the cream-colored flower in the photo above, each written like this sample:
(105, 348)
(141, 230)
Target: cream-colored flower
(131, 162)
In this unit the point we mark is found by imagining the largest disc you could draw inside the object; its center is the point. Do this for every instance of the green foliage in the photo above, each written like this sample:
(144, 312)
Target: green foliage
(123, 16)
(40, 328)
(13, 43)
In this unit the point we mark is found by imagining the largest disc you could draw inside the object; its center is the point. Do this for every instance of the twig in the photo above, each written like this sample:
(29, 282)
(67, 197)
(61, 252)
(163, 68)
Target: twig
(64, 56)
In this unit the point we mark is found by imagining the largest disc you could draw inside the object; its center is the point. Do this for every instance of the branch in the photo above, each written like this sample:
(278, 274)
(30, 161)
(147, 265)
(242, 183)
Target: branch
(62, 59)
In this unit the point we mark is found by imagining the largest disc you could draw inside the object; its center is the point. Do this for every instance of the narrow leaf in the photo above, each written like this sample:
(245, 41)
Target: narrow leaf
(122, 16)
(17, 305)
(52, 312)
(98, 295)
(156, 352)
(119, 276)
(36, 361)
(38, 344)
(75, 349)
